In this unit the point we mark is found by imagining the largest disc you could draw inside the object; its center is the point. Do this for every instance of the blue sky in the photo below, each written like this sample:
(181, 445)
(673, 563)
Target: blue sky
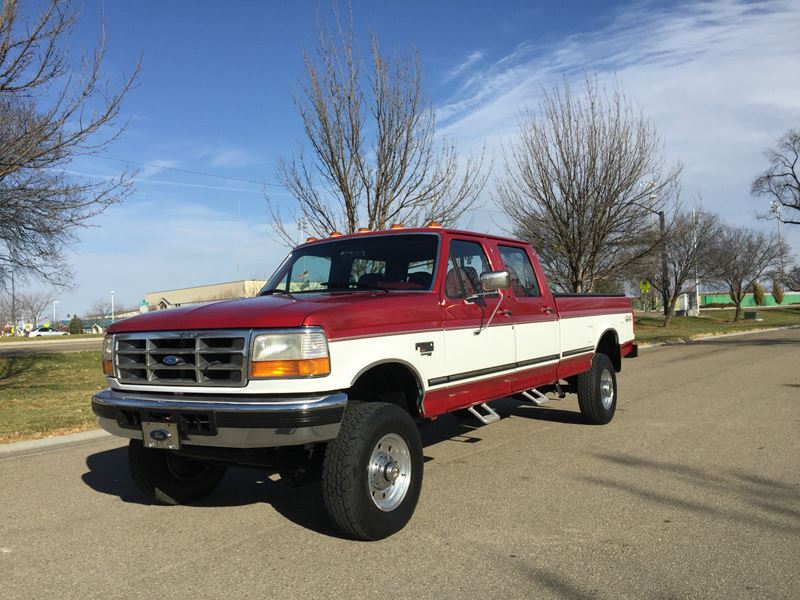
(719, 79)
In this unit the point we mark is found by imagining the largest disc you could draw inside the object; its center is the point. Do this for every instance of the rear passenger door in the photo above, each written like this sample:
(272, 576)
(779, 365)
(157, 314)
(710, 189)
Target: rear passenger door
(480, 360)
(536, 322)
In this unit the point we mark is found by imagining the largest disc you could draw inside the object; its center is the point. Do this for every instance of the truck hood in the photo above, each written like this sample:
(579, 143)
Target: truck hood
(340, 314)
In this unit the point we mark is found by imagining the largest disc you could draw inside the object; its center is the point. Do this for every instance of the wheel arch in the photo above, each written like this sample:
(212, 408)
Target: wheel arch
(609, 345)
(390, 380)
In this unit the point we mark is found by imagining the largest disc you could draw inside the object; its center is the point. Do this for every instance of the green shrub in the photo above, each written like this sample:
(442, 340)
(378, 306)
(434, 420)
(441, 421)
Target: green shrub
(758, 294)
(777, 291)
(75, 325)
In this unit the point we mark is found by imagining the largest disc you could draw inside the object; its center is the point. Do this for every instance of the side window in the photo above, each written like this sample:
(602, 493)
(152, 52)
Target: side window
(309, 273)
(467, 262)
(523, 277)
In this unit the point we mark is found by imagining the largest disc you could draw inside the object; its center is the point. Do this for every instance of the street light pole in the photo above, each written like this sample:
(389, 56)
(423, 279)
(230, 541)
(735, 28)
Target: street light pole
(54, 313)
(112, 306)
(775, 206)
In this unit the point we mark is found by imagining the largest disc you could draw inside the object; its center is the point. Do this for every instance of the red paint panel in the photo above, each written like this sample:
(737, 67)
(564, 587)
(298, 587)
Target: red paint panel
(573, 365)
(440, 401)
(626, 348)
(531, 377)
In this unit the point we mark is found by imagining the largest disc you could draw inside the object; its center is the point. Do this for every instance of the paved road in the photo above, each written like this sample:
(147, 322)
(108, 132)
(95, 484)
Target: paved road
(692, 492)
(50, 346)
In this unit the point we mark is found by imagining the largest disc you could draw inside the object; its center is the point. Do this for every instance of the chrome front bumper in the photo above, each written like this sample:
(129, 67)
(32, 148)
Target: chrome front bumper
(224, 421)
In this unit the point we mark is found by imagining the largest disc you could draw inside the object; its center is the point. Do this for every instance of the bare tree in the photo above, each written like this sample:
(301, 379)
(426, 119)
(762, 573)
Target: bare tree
(34, 305)
(690, 237)
(100, 309)
(374, 157)
(50, 113)
(740, 257)
(584, 179)
(781, 180)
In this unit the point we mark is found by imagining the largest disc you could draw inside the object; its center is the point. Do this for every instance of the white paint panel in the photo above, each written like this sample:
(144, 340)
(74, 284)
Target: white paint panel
(534, 340)
(468, 351)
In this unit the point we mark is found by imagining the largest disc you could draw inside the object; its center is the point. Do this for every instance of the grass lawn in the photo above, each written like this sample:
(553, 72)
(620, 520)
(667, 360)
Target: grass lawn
(48, 394)
(649, 329)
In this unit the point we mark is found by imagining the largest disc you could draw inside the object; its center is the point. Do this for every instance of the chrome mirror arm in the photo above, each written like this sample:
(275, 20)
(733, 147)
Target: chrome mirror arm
(494, 312)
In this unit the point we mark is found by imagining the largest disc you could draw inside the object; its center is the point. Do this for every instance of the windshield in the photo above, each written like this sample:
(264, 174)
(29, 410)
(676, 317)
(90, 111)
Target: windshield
(386, 262)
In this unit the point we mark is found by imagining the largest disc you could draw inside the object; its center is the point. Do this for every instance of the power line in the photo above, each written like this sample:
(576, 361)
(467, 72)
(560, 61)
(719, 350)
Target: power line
(188, 171)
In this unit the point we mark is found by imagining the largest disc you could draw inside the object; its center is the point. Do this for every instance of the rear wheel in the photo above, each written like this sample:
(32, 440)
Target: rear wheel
(372, 471)
(169, 478)
(597, 391)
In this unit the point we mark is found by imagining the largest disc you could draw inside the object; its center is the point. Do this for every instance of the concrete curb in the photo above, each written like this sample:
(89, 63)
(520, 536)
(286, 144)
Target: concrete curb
(707, 336)
(57, 441)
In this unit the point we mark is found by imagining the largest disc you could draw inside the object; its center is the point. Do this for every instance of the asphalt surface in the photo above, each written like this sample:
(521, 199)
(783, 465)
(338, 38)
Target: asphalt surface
(693, 491)
(50, 346)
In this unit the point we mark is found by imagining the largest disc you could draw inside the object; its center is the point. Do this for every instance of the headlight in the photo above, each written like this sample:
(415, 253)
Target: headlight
(294, 354)
(108, 355)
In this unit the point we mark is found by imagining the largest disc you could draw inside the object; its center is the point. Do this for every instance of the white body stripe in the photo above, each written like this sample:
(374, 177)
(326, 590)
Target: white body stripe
(455, 351)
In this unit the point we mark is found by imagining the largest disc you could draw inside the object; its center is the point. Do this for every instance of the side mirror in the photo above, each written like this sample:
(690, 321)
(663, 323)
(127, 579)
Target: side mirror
(495, 280)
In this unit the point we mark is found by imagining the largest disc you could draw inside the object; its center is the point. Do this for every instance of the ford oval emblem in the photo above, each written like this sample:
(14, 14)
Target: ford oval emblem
(172, 360)
(160, 435)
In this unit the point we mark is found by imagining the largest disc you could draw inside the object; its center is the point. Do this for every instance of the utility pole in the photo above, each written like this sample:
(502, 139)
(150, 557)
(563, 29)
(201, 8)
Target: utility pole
(662, 227)
(776, 208)
(13, 303)
(112, 306)
(54, 313)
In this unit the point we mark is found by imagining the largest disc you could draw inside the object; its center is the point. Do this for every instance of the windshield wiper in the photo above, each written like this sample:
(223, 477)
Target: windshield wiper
(273, 291)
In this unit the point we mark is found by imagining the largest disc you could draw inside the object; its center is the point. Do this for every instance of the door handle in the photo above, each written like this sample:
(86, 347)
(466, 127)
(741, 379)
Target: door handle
(547, 309)
(506, 312)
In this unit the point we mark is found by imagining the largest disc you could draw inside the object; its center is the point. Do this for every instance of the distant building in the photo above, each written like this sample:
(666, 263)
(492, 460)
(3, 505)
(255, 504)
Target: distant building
(246, 288)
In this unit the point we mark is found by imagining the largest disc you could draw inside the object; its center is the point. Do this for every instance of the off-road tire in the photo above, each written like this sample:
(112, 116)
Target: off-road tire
(591, 391)
(169, 478)
(346, 483)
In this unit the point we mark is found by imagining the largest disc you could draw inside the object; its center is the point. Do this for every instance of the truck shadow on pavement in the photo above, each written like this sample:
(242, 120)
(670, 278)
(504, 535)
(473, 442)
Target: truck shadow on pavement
(721, 495)
(108, 474)
(108, 471)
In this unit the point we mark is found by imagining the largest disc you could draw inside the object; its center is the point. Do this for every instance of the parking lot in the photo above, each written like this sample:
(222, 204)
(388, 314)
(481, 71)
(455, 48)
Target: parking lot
(693, 491)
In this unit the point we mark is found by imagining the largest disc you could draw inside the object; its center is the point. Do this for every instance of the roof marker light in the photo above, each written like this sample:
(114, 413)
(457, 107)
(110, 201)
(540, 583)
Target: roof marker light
(311, 239)
(434, 225)
(396, 226)
(335, 234)
(363, 229)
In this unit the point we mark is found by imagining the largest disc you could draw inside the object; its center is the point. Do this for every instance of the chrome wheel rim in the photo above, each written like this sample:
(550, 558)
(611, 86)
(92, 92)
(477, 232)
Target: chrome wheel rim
(389, 472)
(606, 389)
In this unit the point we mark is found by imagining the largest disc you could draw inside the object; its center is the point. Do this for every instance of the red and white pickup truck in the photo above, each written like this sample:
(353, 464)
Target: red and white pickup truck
(353, 340)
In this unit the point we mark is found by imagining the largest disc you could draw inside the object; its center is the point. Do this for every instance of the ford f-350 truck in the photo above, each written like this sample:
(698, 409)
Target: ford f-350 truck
(353, 342)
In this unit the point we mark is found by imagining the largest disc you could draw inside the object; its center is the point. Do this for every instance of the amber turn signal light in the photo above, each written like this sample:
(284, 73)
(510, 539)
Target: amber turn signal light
(108, 367)
(308, 367)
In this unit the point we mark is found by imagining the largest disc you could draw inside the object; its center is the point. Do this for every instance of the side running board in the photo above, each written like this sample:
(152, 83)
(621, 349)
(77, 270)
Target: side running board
(485, 415)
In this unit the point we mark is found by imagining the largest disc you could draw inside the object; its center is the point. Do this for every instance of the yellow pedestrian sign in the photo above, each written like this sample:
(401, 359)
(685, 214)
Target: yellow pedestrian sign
(644, 286)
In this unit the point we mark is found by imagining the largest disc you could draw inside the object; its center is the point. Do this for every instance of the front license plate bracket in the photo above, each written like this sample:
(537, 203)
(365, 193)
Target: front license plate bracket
(163, 436)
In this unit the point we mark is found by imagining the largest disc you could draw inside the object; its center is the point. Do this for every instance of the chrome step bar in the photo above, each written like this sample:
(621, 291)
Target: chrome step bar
(538, 398)
(486, 417)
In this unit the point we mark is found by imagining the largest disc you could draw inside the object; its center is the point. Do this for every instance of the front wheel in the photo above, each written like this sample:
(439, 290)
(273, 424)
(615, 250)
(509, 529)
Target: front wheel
(170, 478)
(372, 471)
(597, 391)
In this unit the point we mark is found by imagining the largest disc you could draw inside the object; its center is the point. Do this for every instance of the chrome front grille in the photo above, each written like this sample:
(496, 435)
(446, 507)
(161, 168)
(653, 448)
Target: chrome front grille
(199, 358)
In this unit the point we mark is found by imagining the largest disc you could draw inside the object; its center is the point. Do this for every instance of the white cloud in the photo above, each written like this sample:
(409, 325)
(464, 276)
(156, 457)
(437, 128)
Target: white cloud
(470, 60)
(231, 157)
(720, 81)
(152, 167)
